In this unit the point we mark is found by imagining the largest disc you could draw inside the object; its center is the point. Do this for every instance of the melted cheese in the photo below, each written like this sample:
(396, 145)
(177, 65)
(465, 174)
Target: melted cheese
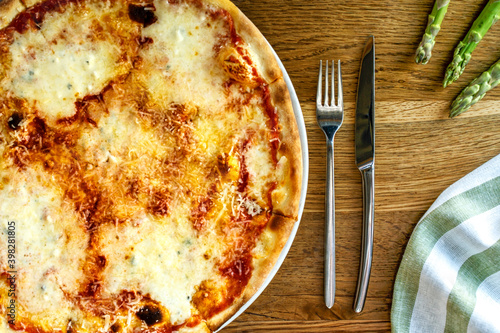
(119, 138)
(212, 135)
(162, 259)
(52, 73)
(183, 55)
(58, 77)
(49, 246)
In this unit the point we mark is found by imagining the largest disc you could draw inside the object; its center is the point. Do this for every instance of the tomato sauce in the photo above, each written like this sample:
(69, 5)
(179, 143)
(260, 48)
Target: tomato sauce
(274, 126)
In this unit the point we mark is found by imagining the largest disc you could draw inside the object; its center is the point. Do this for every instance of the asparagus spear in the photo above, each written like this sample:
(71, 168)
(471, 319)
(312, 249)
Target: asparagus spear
(424, 50)
(463, 51)
(476, 90)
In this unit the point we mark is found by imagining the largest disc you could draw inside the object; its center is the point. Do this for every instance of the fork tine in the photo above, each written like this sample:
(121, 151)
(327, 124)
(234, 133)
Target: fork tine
(333, 84)
(325, 103)
(318, 94)
(340, 96)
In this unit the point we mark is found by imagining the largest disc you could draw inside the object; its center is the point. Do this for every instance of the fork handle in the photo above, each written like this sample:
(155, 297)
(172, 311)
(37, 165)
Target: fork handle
(329, 228)
(365, 264)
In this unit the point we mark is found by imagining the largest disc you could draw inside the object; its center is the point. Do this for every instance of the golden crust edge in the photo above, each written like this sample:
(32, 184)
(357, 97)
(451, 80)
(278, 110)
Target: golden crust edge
(281, 227)
(267, 65)
(286, 196)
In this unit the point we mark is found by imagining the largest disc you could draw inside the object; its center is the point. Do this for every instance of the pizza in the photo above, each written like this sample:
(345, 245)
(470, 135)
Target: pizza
(150, 165)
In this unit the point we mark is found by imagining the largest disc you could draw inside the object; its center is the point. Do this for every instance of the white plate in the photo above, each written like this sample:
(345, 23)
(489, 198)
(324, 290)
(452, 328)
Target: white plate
(305, 173)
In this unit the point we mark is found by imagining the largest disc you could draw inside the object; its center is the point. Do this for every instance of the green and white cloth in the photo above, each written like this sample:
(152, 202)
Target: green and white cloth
(449, 277)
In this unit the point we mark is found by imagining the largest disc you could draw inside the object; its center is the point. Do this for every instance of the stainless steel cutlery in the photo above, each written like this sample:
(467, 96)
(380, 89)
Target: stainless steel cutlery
(330, 116)
(365, 161)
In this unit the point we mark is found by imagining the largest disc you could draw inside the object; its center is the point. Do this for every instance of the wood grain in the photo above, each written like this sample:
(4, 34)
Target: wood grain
(419, 151)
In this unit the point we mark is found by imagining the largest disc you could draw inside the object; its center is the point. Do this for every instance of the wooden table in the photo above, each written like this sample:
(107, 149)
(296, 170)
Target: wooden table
(419, 150)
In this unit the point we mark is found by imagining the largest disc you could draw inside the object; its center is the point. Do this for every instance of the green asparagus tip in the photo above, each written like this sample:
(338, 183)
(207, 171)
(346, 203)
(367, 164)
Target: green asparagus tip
(457, 111)
(453, 71)
(435, 19)
(476, 90)
(463, 52)
(420, 57)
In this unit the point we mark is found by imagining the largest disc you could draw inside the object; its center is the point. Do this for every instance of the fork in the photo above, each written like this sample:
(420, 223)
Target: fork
(330, 117)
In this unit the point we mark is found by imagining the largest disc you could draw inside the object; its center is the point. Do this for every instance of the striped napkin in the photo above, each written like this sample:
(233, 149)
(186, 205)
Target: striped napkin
(449, 278)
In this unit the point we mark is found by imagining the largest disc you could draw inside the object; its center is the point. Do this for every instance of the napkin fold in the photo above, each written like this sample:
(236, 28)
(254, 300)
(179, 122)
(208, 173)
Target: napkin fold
(449, 277)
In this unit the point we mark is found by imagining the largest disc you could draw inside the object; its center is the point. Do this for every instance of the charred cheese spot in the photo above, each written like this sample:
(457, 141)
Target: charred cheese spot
(142, 14)
(150, 314)
(12, 113)
(116, 327)
(15, 120)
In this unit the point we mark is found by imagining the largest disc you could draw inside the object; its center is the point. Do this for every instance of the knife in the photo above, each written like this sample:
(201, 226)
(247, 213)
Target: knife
(365, 158)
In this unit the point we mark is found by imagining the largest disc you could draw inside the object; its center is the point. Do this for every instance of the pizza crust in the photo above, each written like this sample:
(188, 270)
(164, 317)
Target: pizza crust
(286, 196)
(259, 47)
(278, 231)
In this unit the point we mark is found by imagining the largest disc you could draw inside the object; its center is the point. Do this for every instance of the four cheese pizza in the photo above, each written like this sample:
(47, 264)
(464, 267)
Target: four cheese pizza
(150, 164)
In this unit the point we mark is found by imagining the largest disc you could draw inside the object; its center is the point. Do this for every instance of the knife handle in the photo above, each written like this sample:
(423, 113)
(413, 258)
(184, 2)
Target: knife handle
(329, 266)
(367, 178)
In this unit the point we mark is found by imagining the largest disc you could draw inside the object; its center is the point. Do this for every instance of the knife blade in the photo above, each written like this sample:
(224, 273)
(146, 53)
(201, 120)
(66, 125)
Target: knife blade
(365, 161)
